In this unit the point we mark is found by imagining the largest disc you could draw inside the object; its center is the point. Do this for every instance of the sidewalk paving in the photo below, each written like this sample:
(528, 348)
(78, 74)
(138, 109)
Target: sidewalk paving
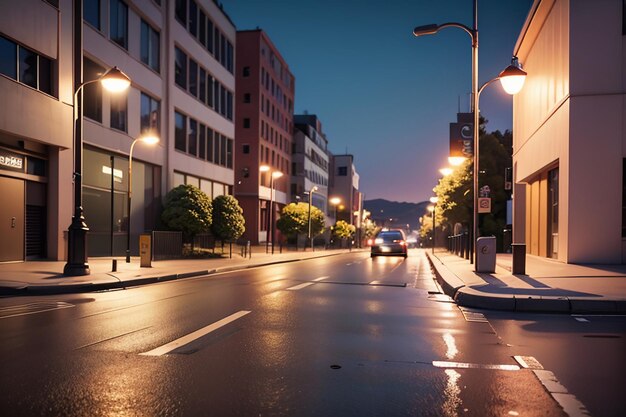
(548, 286)
(46, 277)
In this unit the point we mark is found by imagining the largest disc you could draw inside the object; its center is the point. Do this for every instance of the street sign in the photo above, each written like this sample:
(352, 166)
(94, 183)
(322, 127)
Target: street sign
(484, 205)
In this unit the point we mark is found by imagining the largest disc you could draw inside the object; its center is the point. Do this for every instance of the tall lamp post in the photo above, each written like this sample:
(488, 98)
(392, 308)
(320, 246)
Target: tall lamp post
(514, 71)
(148, 139)
(113, 80)
(310, 196)
(335, 201)
(270, 214)
(432, 209)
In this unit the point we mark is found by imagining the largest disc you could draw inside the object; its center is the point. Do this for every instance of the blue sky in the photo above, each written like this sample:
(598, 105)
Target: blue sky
(382, 94)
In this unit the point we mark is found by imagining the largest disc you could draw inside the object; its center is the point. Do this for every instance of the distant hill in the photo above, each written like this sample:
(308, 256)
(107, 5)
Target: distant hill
(400, 214)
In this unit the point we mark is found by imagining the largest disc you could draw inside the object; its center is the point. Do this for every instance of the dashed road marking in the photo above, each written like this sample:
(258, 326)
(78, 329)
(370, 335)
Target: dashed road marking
(182, 341)
(32, 308)
(465, 365)
(581, 319)
(528, 362)
(300, 286)
(322, 278)
(570, 404)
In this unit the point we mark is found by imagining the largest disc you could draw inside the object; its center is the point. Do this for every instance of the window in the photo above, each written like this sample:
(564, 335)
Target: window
(209, 35)
(192, 142)
(28, 67)
(209, 94)
(209, 145)
(245, 148)
(180, 123)
(118, 112)
(246, 71)
(150, 46)
(119, 23)
(181, 12)
(193, 18)
(202, 31)
(150, 114)
(202, 142)
(180, 68)
(91, 12)
(8, 58)
(45, 75)
(246, 123)
(193, 77)
(229, 105)
(624, 198)
(229, 153)
(342, 171)
(246, 98)
(202, 95)
(229, 57)
(222, 100)
(92, 93)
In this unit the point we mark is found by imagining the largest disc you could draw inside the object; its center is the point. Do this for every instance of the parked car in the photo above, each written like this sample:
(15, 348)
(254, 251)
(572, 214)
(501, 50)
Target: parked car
(389, 242)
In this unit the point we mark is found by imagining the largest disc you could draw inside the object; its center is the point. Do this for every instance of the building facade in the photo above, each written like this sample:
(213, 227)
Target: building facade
(180, 57)
(311, 162)
(345, 187)
(569, 157)
(264, 131)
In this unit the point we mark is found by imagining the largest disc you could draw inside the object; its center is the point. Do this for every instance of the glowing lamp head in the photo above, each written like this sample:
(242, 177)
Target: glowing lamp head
(513, 77)
(277, 174)
(115, 81)
(150, 139)
(264, 168)
(455, 161)
(446, 171)
(431, 208)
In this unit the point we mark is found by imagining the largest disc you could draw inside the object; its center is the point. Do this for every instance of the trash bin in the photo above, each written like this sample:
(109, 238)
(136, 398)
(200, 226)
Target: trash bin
(145, 250)
(519, 259)
(486, 254)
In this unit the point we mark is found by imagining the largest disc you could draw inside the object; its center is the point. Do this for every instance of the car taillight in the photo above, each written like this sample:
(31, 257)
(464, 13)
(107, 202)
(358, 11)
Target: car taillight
(369, 242)
(402, 243)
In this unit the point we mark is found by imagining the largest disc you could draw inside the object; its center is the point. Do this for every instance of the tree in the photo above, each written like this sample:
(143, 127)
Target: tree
(343, 230)
(228, 221)
(294, 220)
(187, 209)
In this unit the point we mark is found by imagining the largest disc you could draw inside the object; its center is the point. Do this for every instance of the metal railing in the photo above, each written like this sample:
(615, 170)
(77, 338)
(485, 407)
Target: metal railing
(167, 245)
(460, 245)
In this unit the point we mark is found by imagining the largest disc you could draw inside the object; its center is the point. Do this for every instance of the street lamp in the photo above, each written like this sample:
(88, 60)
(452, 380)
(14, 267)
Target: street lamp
(310, 195)
(505, 77)
(148, 139)
(335, 201)
(432, 208)
(270, 214)
(113, 80)
(446, 171)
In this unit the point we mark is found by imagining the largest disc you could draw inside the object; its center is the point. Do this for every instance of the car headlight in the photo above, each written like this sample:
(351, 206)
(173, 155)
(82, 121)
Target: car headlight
(378, 241)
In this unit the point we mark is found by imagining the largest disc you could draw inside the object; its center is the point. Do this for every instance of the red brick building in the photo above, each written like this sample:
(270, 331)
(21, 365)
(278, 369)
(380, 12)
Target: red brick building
(263, 130)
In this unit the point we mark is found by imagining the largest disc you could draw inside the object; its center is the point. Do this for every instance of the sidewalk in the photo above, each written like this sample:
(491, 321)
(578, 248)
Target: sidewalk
(548, 286)
(44, 277)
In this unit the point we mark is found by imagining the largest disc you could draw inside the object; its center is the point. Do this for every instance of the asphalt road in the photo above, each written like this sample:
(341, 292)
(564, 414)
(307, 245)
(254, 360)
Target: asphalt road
(338, 336)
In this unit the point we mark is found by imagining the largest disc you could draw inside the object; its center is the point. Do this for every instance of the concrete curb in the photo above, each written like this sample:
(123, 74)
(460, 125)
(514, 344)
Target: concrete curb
(468, 296)
(25, 289)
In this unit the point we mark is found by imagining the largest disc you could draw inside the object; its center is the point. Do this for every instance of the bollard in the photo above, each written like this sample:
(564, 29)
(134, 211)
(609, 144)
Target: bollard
(519, 259)
(114, 265)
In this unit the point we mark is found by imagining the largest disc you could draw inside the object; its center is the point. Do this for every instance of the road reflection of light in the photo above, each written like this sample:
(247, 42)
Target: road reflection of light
(451, 345)
(452, 393)
(374, 306)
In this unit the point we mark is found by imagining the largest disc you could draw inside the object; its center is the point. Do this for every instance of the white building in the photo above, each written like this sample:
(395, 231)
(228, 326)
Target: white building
(569, 132)
(180, 57)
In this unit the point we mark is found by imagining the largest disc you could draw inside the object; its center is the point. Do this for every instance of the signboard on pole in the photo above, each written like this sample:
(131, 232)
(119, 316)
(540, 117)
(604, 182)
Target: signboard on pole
(484, 205)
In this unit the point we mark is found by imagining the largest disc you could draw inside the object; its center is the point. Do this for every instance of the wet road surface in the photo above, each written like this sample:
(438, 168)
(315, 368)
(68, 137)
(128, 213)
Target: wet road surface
(338, 336)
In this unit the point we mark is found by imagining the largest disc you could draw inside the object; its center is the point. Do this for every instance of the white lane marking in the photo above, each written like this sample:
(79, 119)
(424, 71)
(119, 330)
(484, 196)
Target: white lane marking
(32, 308)
(581, 319)
(322, 278)
(348, 264)
(168, 347)
(570, 404)
(463, 365)
(528, 362)
(374, 282)
(299, 287)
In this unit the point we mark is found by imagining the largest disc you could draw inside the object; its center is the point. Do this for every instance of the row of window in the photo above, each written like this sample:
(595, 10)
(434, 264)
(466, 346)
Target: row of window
(276, 160)
(199, 82)
(274, 113)
(268, 133)
(318, 160)
(198, 140)
(211, 188)
(26, 66)
(199, 25)
(275, 90)
(150, 50)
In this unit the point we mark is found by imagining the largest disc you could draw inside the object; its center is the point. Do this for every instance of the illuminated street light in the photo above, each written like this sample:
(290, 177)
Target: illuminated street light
(432, 208)
(310, 196)
(335, 201)
(270, 214)
(456, 161)
(512, 77)
(113, 80)
(446, 171)
(148, 139)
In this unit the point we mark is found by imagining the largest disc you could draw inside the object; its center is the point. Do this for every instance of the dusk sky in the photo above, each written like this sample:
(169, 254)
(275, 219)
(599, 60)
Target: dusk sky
(382, 94)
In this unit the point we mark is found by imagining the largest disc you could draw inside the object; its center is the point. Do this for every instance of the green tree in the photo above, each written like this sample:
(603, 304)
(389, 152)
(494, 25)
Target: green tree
(294, 220)
(343, 230)
(187, 209)
(228, 221)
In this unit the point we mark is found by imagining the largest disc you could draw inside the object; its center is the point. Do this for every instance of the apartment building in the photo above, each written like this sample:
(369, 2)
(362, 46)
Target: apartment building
(310, 162)
(569, 144)
(345, 186)
(264, 131)
(180, 57)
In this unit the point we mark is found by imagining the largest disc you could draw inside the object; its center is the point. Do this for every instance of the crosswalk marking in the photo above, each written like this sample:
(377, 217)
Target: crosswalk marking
(182, 341)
